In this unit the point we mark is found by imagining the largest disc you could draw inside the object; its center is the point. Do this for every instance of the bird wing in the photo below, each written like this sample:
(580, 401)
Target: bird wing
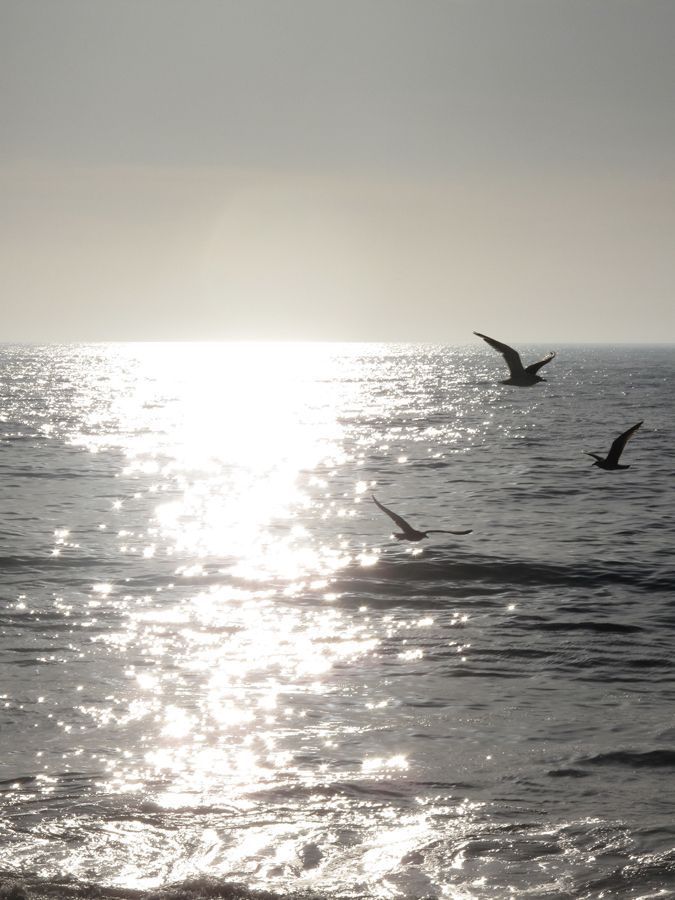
(511, 356)
(402, 524)
(617, 447)
(533, 368)
(445, 531)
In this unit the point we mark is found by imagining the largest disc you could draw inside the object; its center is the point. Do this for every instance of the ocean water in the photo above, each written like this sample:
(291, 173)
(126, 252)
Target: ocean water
(219, 669)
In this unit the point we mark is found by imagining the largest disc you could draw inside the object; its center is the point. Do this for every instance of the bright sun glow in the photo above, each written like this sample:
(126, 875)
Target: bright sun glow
(242, 617)
(242, 439)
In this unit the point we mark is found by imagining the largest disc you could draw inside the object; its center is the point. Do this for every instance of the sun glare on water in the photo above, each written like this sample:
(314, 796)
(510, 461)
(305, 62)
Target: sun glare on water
(247, 426)
(233, 454)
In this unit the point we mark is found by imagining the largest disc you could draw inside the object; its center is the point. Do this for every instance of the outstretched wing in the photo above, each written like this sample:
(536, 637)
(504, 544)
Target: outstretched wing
(445, 531)
(533, 368)
(511, 356)
(616, 449)
(402, 524)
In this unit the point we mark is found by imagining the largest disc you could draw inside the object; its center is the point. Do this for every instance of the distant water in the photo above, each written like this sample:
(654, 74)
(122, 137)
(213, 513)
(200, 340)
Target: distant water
(217, 664)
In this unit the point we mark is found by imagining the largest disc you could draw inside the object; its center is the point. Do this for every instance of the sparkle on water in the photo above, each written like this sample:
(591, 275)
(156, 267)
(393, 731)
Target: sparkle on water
(221, 675)
(235, 449)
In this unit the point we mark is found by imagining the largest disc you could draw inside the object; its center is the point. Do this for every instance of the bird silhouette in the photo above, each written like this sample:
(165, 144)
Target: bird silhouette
(520, 376)
(408, 533)
(611, 461)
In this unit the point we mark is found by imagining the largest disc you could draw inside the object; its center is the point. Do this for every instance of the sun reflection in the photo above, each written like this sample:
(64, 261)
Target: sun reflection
(392, 844)
(243, 611)
(177, 723)
(382, 764)
(239, 470)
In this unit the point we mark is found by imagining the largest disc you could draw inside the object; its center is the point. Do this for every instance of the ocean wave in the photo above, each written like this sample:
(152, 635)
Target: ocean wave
(650, 875)
(426, 575)
(600, 627)
(30, 888)
(48, 563)
(652, 759)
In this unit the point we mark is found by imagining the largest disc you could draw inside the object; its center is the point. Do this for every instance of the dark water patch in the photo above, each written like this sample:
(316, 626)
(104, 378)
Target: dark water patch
(465, 671)
(498, 653)
(428, 704)
(446, 785)
(25, 662)
(70, 784)
(650, 875)
(568, 773)
(660, 831)
(651, 759)
(429, 598)
(26, 887)
(42, 563)
(18, 782)
(377, 790)
(642, 663)
(59, 474)
(394, 576)
(600, 627)
(430, 464)
(630, 680)
(300, 795)
(614, 665)
(515, 653)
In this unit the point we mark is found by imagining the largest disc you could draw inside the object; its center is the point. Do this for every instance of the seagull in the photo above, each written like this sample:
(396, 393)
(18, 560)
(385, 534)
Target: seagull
(408, 533)
(615, 451)
(520, 376)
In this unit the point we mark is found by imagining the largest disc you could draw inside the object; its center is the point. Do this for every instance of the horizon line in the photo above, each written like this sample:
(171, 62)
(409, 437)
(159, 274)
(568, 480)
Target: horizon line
(294, 341)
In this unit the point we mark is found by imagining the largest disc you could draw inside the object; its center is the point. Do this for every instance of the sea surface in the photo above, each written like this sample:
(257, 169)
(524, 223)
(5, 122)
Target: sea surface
(219, 669)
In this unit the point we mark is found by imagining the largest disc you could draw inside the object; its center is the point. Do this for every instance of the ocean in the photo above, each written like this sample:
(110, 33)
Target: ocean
(221, 675)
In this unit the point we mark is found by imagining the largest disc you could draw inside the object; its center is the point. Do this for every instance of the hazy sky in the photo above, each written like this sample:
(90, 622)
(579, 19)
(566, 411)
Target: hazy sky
(352, 169)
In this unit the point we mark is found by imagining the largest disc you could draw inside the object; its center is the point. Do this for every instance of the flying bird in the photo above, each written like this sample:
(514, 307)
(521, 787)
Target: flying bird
(611, 461)
(408, 533)
(520, 376)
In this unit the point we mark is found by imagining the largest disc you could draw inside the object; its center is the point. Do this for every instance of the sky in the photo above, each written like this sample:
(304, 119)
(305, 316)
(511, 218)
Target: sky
(337, 170)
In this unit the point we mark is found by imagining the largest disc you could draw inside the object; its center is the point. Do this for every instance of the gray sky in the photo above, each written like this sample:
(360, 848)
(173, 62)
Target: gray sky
(353, 169)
